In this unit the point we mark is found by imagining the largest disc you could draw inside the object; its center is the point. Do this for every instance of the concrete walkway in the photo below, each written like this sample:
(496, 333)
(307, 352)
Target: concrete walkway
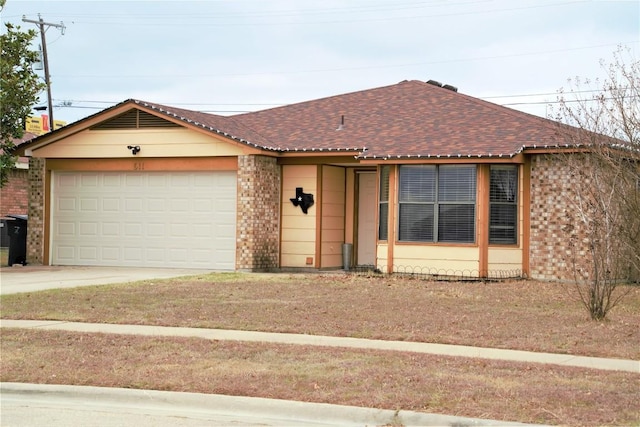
(20, 279)
(62, 405)
(326, 341)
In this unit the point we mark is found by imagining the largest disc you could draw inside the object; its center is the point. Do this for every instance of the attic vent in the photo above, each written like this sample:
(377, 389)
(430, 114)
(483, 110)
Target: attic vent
(134, 119)
(444, 86)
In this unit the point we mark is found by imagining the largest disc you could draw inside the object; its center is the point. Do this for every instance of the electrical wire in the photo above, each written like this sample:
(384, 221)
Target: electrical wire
(236, 19)
(269, 105)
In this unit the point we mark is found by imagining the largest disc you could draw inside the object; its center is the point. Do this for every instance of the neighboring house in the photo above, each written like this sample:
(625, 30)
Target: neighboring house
(14, 195)
(416, 176)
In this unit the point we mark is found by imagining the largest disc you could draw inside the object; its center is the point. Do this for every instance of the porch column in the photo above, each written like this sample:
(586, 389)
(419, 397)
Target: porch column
(36, 224)
(258, 213)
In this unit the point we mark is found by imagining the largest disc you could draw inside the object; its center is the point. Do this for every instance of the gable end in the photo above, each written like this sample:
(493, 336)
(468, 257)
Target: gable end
(134, 119)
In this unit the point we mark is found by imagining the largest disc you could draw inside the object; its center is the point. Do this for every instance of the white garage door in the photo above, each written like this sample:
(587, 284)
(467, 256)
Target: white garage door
(144, 219)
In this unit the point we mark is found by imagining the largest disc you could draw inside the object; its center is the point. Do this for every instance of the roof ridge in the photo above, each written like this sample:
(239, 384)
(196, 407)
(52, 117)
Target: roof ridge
(508, 110)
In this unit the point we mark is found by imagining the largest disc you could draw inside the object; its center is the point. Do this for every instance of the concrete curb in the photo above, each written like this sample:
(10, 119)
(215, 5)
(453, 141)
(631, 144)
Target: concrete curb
(325, 341)
(202, 406)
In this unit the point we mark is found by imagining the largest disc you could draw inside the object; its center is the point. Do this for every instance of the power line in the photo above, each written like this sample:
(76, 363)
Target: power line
(235, 19)
(189, 104)
(327, 70)
(41, 24)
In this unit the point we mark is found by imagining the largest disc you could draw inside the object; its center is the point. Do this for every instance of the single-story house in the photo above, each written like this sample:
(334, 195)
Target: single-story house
(416, 176)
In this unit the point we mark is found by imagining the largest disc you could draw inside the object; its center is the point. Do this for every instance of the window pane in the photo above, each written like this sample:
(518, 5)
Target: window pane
(503, 204)
(384, 183)
(416, 222)
(456, 223)
(457, 183)
(417, 183)
(383, 220)
(383, 214)
(504, 184)
(502, 223)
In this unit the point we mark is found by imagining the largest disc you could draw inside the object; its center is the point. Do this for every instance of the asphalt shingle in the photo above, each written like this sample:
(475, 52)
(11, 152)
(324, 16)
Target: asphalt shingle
(411, 119)
(408, 119)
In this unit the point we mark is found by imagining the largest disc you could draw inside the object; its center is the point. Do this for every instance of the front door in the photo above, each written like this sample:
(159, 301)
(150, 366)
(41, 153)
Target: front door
(367, 208)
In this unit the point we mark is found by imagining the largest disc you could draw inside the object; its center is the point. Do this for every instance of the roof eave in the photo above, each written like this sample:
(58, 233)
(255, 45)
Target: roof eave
(204, 126)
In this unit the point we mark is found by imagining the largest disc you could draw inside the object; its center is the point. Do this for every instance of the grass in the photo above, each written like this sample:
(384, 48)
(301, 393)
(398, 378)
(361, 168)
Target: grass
(523, 315)
(518, 314)
(472, 388)
(4, 256)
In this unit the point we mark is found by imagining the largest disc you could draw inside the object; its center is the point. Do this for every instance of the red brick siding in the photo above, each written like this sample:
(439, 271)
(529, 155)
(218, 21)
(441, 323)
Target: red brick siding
(14, 195)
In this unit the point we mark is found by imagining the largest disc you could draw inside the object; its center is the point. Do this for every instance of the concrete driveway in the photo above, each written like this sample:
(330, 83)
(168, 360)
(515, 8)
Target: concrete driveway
(19, 279)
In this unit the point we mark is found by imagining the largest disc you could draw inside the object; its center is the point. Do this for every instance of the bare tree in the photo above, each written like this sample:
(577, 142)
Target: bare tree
(603, 165)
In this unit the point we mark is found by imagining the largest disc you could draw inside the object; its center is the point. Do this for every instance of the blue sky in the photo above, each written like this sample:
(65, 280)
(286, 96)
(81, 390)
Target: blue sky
(227, 56)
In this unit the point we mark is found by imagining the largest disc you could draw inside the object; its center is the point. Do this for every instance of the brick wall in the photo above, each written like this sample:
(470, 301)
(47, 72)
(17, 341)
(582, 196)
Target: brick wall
(35, 229)
(550, 251)
(258, 225)
(15, 193)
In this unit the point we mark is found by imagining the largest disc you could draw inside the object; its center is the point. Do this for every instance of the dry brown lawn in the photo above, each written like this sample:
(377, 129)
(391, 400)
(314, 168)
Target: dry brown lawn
(523, 315)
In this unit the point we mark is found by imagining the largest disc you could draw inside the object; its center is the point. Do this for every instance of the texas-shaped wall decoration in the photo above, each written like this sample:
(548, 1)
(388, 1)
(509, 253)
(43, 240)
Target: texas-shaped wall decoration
(304, 200)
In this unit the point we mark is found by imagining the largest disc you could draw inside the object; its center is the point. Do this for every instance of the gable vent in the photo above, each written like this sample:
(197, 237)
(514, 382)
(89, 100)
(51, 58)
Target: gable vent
(134, 119)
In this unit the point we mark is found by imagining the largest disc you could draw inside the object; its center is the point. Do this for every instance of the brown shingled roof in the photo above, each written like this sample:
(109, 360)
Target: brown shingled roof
(411, 118)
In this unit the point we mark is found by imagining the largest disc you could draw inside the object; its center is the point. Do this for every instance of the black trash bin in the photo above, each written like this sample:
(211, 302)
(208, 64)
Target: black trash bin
(17, 229)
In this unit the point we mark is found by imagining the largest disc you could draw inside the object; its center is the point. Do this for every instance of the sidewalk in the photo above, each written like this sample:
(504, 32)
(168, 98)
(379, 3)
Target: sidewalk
(326, 341)
(62, 405)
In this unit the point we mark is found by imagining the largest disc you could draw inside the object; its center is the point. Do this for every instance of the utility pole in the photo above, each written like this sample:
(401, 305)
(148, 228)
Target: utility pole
(40, 23)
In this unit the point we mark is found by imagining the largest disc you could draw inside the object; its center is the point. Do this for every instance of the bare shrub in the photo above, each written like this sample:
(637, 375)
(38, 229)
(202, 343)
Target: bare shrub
(602, 158)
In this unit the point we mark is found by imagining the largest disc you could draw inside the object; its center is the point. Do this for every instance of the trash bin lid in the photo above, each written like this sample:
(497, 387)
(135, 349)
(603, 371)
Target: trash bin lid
(22, 217)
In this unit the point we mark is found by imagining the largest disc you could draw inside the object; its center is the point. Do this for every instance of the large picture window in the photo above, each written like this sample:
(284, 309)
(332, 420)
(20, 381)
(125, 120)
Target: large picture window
(503, 204)
(437, 203)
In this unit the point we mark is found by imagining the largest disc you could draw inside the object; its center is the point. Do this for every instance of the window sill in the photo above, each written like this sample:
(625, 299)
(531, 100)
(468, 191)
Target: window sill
(453, 244)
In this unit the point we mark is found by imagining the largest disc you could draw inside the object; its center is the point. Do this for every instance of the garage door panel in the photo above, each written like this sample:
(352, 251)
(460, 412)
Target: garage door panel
(156, 205)
(156, 230)
(88, 253)
(110, 204)
(181, 205)
(66, 204)
(110, 254)
(66, 253)
(133, 205)
(111, 182)
(66, 229)
(182, 219)
(134, 180)
(88, 229)
(109, 229)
